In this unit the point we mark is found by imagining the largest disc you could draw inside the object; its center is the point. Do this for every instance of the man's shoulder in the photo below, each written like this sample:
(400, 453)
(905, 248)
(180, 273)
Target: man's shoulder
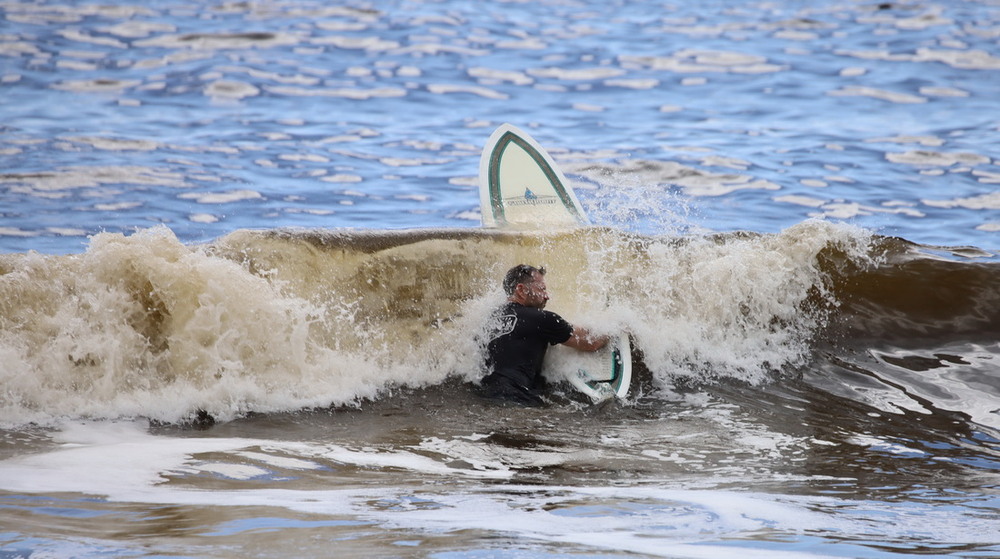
(507, 309)
(533, 314)
(522, 310)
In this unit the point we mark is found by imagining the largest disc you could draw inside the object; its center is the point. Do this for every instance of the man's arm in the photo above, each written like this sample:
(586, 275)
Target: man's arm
(583, 340)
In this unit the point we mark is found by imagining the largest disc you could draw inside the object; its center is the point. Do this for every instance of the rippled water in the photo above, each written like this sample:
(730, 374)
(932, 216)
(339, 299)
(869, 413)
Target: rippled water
(725, 115)
(808, 389)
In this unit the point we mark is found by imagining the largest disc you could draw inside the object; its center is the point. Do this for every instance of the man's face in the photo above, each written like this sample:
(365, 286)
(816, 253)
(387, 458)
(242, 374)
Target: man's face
(535, 293)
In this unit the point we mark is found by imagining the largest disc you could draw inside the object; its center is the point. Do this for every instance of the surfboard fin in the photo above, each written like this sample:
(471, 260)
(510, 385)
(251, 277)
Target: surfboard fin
(597, 390)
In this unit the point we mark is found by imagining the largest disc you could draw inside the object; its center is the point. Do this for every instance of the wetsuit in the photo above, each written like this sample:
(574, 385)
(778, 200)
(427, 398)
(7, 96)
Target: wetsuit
(518, 338)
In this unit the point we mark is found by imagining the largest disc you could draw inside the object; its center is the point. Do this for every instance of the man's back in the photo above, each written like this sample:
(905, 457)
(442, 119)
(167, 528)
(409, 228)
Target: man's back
(518, 338)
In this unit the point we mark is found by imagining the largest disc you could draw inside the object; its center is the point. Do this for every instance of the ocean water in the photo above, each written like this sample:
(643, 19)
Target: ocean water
(241, 269)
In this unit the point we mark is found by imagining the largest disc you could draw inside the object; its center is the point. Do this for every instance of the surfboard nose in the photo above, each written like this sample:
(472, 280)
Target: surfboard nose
(521, 187)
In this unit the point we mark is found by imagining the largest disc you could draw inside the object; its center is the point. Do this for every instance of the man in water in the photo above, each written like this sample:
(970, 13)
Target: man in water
(519, 333)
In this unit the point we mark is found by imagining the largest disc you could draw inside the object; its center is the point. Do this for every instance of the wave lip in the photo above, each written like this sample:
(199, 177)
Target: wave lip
(277, 320)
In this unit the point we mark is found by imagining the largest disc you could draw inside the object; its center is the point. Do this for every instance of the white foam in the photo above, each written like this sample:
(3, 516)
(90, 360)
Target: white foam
(121, 462)
(145, 326)
(117, 459)
(160, 330)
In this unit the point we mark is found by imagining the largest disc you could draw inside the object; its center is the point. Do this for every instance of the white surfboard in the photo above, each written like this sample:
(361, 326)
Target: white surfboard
(613, 380)
(521, 187)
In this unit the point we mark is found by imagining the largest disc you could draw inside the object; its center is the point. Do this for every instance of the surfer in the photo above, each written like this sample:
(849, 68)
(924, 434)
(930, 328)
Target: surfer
(519, 333)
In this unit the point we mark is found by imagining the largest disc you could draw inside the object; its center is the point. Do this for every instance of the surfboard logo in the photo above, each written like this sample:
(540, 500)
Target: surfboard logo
(530, 199)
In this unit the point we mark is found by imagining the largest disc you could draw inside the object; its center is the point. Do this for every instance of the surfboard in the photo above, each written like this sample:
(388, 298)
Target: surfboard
(521, 187)
(614, 380)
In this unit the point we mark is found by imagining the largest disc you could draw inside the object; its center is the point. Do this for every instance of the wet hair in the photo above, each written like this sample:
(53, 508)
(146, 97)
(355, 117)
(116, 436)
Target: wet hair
(522, 273)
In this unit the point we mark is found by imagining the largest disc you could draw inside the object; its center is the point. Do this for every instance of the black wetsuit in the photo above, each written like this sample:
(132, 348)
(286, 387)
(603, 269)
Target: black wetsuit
(518, 338)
